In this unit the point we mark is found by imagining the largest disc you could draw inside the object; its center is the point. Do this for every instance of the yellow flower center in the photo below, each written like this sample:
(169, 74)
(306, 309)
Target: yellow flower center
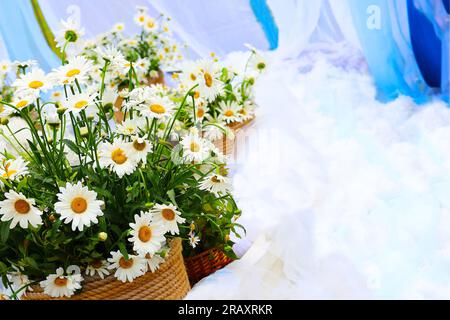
(229, 113)
(243, 112)
(9, 173)
(22, 206)
(157, 108)
(81, 104)
(195, 147)
(36, 84)
(193, 77)
(139, 146)
(79, 205)
(21, 104)
(118, 156)
(125, 264)
(168, 214)
(196, 94)
(208, 80)
(61, 282)
(145, 234)
(141, 18)
(73, 72)
(200, 113)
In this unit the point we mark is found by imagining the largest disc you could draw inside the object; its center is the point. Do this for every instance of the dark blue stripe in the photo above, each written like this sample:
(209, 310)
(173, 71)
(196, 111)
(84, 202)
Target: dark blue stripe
(265, 18)
(426, 46)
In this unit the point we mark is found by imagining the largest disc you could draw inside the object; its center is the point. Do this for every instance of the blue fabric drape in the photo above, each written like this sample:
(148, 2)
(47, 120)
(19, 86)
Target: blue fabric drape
(265, 18)
(435, 14)
(22, 35)
(388, 50)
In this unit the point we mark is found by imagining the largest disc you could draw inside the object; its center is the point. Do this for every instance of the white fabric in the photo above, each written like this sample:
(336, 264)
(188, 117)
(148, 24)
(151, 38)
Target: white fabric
(220, 26)
(344, 197)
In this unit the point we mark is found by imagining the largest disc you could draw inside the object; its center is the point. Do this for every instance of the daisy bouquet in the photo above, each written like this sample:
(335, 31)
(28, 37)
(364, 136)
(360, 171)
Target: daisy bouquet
(150, 51)
(85, 195)
(222, 96)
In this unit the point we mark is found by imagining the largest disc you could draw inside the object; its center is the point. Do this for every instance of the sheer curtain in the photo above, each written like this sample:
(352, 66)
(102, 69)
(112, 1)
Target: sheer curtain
(220, 26)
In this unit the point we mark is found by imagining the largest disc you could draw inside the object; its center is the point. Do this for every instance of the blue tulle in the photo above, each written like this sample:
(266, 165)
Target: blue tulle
(22, 35)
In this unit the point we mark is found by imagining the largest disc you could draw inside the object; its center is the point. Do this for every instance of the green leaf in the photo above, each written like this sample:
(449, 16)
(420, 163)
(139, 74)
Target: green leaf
(123, 250)
(4, 231)
(171, 194)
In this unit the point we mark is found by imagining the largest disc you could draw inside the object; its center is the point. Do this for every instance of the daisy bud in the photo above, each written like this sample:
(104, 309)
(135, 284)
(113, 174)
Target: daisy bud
(149, 204)
(207, 207)
(192, 226)
(51, 218)
(107, 107)
(227, 238)
(251, 81)
(102, 236)
(4, 121)
(84, 132)
(61, 110)
(154, 74)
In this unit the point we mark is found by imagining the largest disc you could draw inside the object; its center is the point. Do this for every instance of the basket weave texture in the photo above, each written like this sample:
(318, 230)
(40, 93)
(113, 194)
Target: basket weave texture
(226, 145)
(205, 264)
(169, 282)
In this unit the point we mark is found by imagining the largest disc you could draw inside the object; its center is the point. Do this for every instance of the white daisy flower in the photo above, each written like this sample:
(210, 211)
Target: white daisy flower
(109, 53)
(99, 267)
(216, 184)
(257, 63)
(141, 18)
(20, 210)
(57, 96)
(130, 127)
(118, 157)
(140, 149)
(33, 81)
(168, 216)
(194, 148)
(153, 261)
(5, 66)
(14, 169)
(109, 97)
(142, 65)
(23, 99)
(5, 111)
(70, 31)
(78, 102)
(229, 111)
(247, 111)
(190, 73)
(59, 285)
(18, 281)
(78, 205)
(193, 240)
(150, 24)
(78, 68)
(118, 27)
(157, 108)
(146, 236)
(209, 84)
(127, 270)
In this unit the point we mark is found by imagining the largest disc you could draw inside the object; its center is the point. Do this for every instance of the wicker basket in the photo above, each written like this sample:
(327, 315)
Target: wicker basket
(205, 263)
(169, 282)
(226, 145)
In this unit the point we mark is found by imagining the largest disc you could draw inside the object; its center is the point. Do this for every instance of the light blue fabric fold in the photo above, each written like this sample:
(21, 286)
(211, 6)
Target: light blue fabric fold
(22, 35)
(388, 50)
